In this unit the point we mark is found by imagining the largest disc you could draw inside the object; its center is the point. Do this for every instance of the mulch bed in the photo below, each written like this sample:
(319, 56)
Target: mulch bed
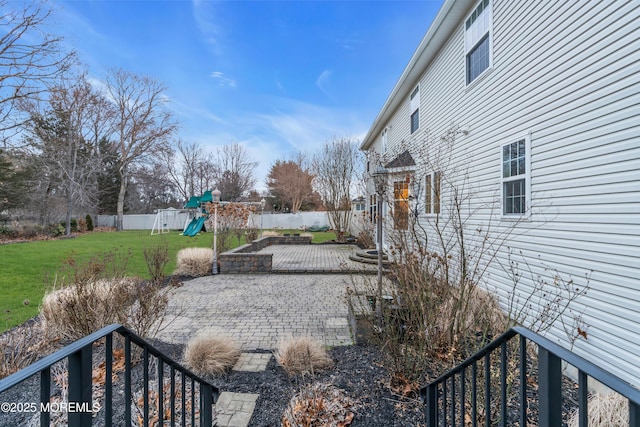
(358, 371)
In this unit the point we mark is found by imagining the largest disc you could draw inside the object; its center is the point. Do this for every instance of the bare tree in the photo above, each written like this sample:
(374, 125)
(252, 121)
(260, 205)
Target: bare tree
(30, 59)
(66, 137)
(190, 169)
(143, 126)
(335, 168)
(233, 172)
(290, 183)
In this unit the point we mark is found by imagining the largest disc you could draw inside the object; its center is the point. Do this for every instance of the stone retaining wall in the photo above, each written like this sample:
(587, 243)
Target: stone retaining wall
(244, 259)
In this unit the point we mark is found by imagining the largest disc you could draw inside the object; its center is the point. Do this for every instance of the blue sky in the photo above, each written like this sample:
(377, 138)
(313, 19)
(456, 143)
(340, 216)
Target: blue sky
(275, 76)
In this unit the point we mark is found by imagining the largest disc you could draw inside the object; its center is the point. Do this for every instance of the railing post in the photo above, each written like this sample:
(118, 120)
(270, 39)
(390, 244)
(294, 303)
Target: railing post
(431, 403)
(550, 390)
(80, 387)
(206, 402)
(634, 414)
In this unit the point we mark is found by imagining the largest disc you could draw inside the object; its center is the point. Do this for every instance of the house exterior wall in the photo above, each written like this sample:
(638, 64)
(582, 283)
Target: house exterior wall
(565, 77)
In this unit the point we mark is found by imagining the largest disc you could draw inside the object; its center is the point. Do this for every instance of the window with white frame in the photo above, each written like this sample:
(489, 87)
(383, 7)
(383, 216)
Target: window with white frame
(515, 177)
(415, 109)
(477, 40)
(432, 193)
(373, 208)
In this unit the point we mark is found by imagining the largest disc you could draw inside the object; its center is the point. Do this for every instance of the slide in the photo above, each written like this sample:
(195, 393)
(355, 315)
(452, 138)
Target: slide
(194, 226)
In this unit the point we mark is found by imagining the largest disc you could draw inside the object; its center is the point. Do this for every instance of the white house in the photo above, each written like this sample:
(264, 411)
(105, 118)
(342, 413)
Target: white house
(539, 106)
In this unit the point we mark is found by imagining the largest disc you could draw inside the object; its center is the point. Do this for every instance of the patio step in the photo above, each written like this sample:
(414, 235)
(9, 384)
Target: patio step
(370, 254)
(367, 260)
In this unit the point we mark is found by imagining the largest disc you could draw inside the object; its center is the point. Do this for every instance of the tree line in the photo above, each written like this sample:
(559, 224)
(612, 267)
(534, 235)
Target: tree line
(72, 145)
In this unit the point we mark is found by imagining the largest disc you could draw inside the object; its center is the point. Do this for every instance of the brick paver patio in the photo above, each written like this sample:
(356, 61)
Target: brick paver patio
(259, 310)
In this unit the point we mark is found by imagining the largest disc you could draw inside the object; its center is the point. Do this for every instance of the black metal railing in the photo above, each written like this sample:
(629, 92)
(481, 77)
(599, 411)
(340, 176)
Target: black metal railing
(170, 393)
(493, 386)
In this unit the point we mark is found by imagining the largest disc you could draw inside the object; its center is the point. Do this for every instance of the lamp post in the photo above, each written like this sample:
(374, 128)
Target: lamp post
(215, 196)
(380, 182)
(262, 203)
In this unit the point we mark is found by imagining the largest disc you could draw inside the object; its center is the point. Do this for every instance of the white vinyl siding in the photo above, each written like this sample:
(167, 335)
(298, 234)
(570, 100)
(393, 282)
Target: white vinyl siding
(414, 101)
(565, 75)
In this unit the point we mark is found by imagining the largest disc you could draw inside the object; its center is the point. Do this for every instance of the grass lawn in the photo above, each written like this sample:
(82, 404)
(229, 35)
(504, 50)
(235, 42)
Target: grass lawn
(26, 269)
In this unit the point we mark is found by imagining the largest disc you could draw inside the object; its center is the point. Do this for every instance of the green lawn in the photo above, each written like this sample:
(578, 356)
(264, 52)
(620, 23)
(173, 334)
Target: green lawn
(27, 268)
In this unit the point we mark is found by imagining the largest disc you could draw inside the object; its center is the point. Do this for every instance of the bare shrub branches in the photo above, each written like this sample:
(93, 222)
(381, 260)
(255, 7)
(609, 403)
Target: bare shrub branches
(87, 297)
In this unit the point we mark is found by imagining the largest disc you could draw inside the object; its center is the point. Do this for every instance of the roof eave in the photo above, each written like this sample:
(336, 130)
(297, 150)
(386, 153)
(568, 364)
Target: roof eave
(443, 25)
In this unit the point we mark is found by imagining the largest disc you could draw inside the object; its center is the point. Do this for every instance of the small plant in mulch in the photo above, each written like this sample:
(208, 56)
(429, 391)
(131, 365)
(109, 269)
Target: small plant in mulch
(194, 262)
(302, 355)
(320, 405)
(207, 355)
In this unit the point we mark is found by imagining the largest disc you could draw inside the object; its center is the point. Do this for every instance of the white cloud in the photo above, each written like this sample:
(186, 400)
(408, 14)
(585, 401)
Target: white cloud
(323, 81)
(304, 127)
(223, 80)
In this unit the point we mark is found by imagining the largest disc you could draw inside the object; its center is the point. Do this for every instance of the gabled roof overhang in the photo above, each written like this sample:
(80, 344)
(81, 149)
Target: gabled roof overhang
(444, 24)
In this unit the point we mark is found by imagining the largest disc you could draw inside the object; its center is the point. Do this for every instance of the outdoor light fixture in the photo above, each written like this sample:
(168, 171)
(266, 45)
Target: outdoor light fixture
(262, 203)
(215, 196)
(380, 182)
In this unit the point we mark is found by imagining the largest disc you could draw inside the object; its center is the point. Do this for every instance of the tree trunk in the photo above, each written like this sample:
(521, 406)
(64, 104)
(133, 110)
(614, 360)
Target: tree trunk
(120, 206)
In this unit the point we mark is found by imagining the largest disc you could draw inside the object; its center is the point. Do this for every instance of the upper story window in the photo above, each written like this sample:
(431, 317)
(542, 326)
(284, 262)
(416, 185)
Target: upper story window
(415, 109)
(415, 121)
(477, 40)
(516, 181)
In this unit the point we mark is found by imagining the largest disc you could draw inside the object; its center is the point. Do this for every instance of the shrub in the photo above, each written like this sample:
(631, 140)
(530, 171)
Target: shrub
(365, 239)
(20, 347)
(82, 225)
(319, 405)
(74, 311)
(206, 355)
(252, 234)
(5, 231)
(56, 230)
(157, 258)
(302, 355)
(89, 221)
(86, 297)
(610, 410)
(195, 262)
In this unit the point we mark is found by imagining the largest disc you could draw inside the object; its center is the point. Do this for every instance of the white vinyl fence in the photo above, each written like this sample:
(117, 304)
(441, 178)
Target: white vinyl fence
(176, 220)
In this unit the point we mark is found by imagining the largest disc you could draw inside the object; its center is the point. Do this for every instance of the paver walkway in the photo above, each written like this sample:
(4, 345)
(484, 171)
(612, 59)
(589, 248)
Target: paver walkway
(261, 309)
(315, 259)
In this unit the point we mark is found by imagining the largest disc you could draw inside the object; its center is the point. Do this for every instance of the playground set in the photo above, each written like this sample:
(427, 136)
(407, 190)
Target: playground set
(195, 222)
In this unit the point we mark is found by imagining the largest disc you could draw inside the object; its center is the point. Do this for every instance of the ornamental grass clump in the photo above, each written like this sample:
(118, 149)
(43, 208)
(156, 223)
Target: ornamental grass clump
(605, 409)
(302, 355)
(194, 262)
(208, 355)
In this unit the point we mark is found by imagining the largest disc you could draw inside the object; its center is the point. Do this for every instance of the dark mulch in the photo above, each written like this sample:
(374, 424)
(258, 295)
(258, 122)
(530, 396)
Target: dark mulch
(358, 371)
